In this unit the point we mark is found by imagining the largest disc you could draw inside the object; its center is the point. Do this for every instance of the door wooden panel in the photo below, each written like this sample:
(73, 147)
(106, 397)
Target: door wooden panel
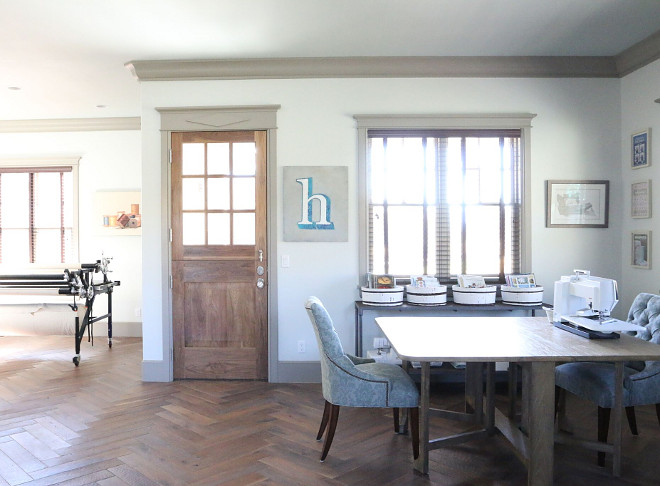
(219, 311)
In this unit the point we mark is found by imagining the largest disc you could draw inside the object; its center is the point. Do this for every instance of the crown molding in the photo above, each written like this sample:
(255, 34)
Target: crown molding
(638, 55)
(375, 67)
(70, 125)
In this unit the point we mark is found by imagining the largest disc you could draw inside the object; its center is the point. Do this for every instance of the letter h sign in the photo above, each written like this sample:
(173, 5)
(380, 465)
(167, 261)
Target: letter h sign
(307, 207)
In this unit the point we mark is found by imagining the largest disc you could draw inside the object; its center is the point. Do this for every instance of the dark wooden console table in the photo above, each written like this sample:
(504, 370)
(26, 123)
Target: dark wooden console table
(448, 309)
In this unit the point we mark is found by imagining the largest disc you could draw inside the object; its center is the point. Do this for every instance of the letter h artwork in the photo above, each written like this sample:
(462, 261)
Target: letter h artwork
(315, 203)
(307, 220)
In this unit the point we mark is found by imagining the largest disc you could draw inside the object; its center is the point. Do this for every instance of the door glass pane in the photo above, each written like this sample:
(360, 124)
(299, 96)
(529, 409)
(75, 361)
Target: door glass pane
(193, 158)
(218, 158)
(243, 196)
(192, 193)
(244, 158)
(219, 229)
(194, 229)
(244, 229)
(218, 197)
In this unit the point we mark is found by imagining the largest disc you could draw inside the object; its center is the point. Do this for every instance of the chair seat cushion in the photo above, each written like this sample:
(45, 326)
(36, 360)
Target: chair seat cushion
(594, 381)
(402, 391)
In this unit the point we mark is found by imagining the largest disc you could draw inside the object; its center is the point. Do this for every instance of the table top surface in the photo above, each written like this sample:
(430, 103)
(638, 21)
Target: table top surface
(475, 339)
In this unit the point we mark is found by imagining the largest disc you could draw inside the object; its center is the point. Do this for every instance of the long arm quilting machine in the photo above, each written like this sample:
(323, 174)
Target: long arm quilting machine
(77, 283)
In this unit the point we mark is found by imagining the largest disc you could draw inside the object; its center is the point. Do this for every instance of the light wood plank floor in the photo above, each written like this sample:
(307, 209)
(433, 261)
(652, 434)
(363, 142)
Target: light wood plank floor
(99, 424)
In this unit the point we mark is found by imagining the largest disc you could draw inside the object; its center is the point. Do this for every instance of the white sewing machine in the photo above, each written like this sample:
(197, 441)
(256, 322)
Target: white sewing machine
(585, 303)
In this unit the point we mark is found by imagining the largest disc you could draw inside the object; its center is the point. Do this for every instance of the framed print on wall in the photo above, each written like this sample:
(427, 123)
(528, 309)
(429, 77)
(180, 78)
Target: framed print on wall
(640, 199)
(577, 204)
(641, 250)
(641, 149)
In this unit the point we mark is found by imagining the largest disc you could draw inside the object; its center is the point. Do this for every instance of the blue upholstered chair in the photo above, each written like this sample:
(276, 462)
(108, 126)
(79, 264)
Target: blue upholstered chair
(594, 381)
(349, 381)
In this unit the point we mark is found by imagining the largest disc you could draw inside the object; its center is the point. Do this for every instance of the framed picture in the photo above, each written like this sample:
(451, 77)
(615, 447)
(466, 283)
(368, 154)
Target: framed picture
(117, 213)
(577, 204)
(640, 199)
(641, 250)
(641, 149)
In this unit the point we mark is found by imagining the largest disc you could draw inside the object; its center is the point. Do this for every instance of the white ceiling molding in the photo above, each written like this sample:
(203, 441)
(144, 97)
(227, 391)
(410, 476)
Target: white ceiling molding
(639, 55)
(375, 67)
(70, 125)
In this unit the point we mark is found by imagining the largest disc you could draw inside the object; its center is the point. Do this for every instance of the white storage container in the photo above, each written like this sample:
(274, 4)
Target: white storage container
(436, 295)
(474, 295)
(522, 296)
(391, 296)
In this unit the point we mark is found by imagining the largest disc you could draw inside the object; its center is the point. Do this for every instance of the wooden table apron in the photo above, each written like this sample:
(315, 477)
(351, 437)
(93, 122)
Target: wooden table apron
(530, 341)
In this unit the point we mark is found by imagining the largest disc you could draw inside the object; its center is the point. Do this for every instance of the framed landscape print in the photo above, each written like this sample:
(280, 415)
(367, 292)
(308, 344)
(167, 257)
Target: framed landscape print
(573, 204)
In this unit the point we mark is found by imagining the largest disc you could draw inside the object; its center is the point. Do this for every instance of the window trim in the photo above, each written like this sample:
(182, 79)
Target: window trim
(74, 163)
(521, 121)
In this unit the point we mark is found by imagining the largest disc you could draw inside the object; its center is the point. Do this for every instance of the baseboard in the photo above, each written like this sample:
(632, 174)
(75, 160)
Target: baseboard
(299, 372)
(156, 371)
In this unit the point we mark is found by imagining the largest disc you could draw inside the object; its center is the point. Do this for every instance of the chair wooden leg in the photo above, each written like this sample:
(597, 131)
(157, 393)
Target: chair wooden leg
(657, 411)
(603, 428)
(334, 415)
(395, 414)
(324, 420)
(413, 419)
(632, 420)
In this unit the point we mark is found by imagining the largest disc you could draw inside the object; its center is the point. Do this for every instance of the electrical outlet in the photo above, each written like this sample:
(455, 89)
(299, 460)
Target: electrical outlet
(301, 346)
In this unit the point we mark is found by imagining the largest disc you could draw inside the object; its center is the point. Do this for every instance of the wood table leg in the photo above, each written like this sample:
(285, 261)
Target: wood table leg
(541, 417)
(422, 462)
(617, 411)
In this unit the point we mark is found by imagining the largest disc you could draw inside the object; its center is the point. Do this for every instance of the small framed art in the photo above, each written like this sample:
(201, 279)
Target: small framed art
(641, 149)
(641, 250)
(640, 199)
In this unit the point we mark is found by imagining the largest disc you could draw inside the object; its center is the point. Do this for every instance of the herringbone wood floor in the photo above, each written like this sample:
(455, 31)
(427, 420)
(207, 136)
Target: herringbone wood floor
(99, 424)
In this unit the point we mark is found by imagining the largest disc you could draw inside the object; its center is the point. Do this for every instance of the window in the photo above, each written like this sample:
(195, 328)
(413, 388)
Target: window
(38, 221)
(443, 201)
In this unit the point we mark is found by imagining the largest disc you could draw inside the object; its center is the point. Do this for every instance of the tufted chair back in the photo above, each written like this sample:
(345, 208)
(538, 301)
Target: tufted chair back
(645, 312)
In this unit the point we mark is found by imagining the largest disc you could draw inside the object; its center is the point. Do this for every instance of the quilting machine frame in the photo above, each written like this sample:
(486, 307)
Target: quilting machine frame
(78, 283)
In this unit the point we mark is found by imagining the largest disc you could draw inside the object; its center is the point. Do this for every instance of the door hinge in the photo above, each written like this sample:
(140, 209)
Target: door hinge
(171, 282)
(169, 156)
(170, 235)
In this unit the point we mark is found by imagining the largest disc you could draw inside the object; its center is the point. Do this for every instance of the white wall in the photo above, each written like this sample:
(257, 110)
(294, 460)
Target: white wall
(576, 135)
(110, 160)
(638, 92)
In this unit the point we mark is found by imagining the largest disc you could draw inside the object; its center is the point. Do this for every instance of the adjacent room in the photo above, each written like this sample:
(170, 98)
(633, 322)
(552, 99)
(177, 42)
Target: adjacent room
(240, 241)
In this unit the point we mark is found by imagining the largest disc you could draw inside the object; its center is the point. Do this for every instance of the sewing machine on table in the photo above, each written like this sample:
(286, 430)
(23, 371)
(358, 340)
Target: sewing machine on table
(583, 303)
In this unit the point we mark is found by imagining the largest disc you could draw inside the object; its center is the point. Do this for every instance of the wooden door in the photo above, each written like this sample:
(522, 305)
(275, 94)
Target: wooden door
(219, 260)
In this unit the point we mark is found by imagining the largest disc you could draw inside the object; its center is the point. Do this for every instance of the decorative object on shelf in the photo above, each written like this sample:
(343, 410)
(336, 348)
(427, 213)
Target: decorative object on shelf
(522, 280)
(436, 295)
(522, 295)
(641, 149)
(641, 249)
(640, 199)
(384, 296)
(577, 204)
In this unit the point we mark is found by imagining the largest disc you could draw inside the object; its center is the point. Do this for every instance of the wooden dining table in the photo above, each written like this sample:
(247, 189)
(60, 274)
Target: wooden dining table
(532, 342)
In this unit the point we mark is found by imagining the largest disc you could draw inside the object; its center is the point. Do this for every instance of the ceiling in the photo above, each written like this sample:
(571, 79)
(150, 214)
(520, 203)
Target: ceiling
(68, 56)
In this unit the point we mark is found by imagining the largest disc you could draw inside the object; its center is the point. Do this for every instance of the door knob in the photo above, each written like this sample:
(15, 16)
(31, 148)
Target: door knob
(260, 283)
